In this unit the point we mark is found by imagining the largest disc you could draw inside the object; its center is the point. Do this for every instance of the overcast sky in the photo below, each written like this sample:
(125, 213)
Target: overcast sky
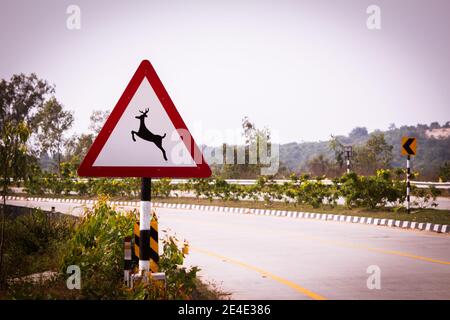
(305, 69)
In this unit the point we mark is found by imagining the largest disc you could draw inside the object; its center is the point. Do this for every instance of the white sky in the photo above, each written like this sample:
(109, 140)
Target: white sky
(305, 69)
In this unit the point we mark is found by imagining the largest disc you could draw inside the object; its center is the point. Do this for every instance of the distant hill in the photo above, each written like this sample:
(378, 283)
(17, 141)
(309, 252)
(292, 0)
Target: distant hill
(433, 148)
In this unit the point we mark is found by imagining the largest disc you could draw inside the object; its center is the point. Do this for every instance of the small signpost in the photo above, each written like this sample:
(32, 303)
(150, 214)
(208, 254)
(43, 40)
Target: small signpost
(348, 156)
(409, 147)
(145, 137)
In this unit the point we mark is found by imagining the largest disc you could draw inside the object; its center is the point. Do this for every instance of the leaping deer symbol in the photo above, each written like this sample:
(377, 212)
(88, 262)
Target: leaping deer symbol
(145, 134)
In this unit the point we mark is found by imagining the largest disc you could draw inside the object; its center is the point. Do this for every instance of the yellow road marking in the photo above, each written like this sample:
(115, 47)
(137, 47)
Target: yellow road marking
(379, 250)
(341, 244)
(408, 255)
(286, 282)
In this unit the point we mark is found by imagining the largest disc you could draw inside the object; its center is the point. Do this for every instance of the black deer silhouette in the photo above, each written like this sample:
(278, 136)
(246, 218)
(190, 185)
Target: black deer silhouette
(145, 134)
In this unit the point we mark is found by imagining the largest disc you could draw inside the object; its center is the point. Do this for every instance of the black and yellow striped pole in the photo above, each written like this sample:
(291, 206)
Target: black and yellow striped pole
(137, 232)
(154, 248)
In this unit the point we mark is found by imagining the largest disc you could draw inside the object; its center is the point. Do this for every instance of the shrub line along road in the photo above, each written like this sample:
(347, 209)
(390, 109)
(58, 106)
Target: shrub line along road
(266, 257)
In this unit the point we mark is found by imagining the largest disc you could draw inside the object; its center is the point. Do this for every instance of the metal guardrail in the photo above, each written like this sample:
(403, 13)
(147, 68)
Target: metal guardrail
(249, 182)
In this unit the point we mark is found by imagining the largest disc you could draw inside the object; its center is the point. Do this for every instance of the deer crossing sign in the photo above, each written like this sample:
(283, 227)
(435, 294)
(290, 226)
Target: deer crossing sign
(144, 136)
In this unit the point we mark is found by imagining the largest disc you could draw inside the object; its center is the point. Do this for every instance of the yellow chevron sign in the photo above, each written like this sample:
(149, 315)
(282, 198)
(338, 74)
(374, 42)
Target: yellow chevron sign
(409, 146)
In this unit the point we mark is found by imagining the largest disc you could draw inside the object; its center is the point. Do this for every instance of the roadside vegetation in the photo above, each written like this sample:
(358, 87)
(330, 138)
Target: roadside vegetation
(40, 241)
(381, 195)
(384, 189)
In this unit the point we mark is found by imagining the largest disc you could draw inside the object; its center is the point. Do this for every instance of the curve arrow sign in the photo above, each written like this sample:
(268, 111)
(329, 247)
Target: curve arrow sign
(409, 146)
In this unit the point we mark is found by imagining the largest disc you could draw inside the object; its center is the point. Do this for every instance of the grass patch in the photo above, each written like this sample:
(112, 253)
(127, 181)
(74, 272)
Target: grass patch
(43, 241)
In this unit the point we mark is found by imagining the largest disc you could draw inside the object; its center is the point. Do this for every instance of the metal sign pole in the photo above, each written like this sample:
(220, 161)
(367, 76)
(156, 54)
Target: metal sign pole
(408, 184)
(348, 162)
(348, 155)
(145, 216)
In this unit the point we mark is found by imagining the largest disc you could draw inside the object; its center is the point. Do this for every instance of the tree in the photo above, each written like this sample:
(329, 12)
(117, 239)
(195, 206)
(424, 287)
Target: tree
(13, 159)
(319, 165)
(53, 122)
(339, 151)
(98, 118)
(77, 147)
(375, 154)
(435, 125)
(20, 98)
(254, 139)
(358, 133)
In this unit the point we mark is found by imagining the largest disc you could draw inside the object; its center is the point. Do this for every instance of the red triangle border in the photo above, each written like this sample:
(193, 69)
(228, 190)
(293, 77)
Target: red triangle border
(86, 169)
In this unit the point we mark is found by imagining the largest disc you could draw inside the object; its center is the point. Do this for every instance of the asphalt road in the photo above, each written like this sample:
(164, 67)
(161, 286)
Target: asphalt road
(263, 257)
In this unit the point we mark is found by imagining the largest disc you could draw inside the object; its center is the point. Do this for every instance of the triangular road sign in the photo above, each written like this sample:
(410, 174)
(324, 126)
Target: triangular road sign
(144, 136)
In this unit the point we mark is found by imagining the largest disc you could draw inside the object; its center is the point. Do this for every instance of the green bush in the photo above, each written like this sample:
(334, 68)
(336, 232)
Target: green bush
(372, 191)
(95, 244)
(425, 197)
(97, 248)
(33, 242)
(385, 188)
(181, 284)
(161, 188)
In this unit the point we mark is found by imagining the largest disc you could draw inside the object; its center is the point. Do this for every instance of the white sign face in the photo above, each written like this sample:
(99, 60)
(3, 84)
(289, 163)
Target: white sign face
(142, 136)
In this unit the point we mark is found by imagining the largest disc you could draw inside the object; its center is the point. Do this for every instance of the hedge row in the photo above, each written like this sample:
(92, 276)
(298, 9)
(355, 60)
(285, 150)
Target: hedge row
(384, 188)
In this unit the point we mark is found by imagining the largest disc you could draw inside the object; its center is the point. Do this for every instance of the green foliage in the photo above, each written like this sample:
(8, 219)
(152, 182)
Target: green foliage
(256, 141)
(34, 241)
(375, 154)
(180, 282)
(40, 241)
(13, 152)
(202, 187)
(425, 198)
(53, 121)
(161, 188)
(372, 191)
(320, 165)
(97, 248)
(21, 97)
(387, 187)
(431, 155)
(444, 172)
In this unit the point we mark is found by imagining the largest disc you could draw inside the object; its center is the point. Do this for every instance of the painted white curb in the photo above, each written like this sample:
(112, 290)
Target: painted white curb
(439, 228)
